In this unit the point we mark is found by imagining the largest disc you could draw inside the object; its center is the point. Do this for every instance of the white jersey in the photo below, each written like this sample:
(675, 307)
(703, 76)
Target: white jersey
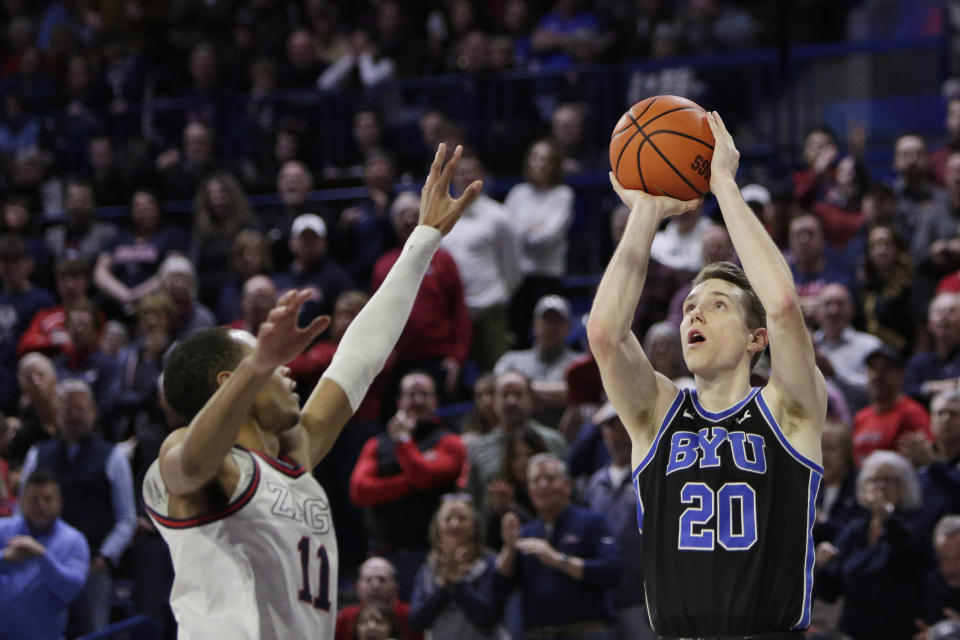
(264, 566)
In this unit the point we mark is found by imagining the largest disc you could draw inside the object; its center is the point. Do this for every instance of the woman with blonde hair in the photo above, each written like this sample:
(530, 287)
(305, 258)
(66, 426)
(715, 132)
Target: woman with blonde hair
(453, 595)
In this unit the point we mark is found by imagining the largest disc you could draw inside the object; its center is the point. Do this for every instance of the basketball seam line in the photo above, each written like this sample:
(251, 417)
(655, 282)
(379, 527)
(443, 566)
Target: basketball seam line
(646, 139)
(681, 134)
(639, 147)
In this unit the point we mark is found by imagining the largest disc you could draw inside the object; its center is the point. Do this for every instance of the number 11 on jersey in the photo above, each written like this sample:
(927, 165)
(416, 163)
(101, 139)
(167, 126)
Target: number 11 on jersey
(322, 601)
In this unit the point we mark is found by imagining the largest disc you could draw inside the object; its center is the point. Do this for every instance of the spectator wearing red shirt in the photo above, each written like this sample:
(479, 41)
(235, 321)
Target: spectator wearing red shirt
(376, 582)
(402, 474)
(47, 331)
(890, 413)
(438, 334)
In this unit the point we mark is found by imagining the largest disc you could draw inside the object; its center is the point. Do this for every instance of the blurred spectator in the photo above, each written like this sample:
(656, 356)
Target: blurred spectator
(662, 346)
(437, 336)
(181, 172)
(680, 244)
(565, 562)
(366, 137)
(541, 211)
(178, 279)
(567, 33)
(567, 128)
(312, 267)
(453, 596)
(249, 256)
(917, 195)
(886, 290)
(487, 251)
(513, 405)
(20, 219)
(83, 235)
(19, 302)
(890, 413)
(840, 209)
(845, 349)
(127, 268)
(820, 155)
(240, 51)
(361, 67)
(43, 565)
(507, 491)
(98, 496)
(482, 418)
(259, 296)
(546, 361)
(951, 124)
(879, 559)
(36, 415)
(294, 183)
(110, 182)
(32, 84)
(365, 230)
(220, 213)
(32, 175)
(941, 589)
(302, 68)
(139, 366)
(610, 492)
(938, 369)
(376, 621)
(19, 128)
(401, 475)
(711, 25)
(323, 18)
(191, 21)
(936, 246)
(82, 357)
(47, 331)
(114, 336)
(813, 264)
(837, 499)
(376, 584)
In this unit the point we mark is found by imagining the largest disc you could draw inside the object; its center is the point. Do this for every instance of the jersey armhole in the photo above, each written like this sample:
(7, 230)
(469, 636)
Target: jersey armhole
(664, 424)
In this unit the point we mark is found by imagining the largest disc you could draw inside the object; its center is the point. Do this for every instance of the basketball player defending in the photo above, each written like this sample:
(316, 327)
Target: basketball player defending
(248, 526)
(726, 475)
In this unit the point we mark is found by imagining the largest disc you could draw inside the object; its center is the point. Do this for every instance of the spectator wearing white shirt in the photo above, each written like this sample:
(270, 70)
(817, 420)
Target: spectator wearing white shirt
(541, 211)
(486, 249)
(844, 348)
(680, 244)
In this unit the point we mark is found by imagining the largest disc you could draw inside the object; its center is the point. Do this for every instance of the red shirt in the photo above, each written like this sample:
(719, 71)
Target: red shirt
(348, 617)
(439, 324)
(872, 430)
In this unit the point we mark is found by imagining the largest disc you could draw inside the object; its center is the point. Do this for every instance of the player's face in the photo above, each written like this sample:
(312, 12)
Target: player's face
(714, 331)
(277, 407)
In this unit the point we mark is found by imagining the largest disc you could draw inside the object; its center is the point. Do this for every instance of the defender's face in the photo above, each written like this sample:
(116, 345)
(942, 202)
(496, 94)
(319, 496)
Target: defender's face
(277, 407)
(714, 331)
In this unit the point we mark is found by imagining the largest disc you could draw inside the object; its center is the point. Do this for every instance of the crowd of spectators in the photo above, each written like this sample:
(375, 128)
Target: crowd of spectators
(443, 514)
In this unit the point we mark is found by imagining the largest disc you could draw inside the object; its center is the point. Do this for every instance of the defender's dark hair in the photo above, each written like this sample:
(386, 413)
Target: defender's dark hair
(756, 315)
(190, 374)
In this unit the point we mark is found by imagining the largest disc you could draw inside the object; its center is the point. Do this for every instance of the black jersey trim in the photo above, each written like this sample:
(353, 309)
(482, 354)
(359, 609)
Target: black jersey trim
(213, 516)
(671, 412)
(726, 413)
(799, 457)
(805, 612)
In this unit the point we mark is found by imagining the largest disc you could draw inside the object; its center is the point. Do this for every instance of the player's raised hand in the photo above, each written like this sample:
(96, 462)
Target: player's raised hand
(279, 339)
(660, 206)
(437, 208)
(726, 158)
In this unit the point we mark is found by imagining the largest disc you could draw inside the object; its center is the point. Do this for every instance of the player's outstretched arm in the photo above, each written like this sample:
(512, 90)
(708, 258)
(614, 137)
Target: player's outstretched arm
(794, 374)
(632, 385)
(195, 455)
(374, 332)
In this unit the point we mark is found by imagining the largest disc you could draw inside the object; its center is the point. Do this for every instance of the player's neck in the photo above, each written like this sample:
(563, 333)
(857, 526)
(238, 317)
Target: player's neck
(721, 391)
(253, 437)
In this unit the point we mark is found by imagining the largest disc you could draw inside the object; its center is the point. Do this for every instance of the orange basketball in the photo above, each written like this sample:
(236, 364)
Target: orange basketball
(663, 145)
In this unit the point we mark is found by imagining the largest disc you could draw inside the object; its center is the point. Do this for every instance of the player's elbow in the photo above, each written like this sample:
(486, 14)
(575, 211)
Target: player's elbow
(602, 335)
(785, 305)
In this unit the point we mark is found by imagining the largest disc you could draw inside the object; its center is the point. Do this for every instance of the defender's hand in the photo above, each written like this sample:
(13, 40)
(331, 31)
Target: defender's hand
(437, 208)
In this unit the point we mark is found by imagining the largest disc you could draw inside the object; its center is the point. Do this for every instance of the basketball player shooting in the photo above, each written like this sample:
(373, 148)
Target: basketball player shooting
(248, 527)
(726, 475)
